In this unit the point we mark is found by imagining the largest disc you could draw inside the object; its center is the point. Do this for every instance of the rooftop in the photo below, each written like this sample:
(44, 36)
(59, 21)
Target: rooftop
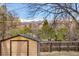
(34, 37)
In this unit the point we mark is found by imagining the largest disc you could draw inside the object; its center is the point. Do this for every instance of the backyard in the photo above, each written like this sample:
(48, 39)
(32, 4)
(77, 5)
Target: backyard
(52, 27)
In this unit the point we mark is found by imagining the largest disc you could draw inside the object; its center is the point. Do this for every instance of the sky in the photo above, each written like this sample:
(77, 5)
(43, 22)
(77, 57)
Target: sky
(21, 10)
(18, 9)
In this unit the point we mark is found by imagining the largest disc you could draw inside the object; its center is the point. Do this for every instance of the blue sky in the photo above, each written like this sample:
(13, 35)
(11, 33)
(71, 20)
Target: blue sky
(21, 10)
(17, 9)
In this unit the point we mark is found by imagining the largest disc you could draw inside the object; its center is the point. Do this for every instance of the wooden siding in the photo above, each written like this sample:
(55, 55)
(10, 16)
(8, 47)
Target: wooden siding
(19, 47)
(6, 46)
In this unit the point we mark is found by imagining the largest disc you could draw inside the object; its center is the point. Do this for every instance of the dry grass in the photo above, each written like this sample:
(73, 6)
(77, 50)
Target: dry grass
(61, 53)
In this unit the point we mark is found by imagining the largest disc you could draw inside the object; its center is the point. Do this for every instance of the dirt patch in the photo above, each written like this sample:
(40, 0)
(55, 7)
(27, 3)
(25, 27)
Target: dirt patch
(61, 53)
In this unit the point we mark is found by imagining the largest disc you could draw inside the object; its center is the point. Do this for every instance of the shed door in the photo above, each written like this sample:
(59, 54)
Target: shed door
(19, 48)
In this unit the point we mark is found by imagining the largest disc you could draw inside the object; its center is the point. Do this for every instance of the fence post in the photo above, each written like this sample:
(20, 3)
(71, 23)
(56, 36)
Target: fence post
(59, 45)
(0, 48)
(51, 47)
(68, 46)
(78, 46)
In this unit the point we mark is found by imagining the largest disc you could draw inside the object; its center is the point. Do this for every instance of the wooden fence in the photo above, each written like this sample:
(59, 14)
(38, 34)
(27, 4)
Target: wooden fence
(50, 46)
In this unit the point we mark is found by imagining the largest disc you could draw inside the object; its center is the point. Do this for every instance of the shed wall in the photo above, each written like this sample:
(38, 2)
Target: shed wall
(5, 50)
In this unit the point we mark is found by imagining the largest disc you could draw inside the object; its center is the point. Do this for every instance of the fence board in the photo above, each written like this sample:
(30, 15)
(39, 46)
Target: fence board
(48, 46)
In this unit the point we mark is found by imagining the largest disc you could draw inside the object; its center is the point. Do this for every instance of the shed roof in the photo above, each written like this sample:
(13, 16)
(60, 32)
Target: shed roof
(35, 38)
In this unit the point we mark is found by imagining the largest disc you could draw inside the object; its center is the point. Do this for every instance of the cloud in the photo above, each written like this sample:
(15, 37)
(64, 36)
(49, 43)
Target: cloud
(29, 20)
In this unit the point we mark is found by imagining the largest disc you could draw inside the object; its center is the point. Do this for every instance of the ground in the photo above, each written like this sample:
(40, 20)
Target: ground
(61, 53)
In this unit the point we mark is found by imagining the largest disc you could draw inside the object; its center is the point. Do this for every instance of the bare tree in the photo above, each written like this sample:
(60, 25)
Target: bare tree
(7, 22)
(55, 10)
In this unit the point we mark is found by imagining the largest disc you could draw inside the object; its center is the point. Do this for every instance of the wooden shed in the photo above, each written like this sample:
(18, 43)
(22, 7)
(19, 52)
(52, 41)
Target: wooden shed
(20, 45)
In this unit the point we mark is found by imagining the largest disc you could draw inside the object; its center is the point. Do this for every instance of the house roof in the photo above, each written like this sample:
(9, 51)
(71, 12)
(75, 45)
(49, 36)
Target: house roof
(35, 38)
